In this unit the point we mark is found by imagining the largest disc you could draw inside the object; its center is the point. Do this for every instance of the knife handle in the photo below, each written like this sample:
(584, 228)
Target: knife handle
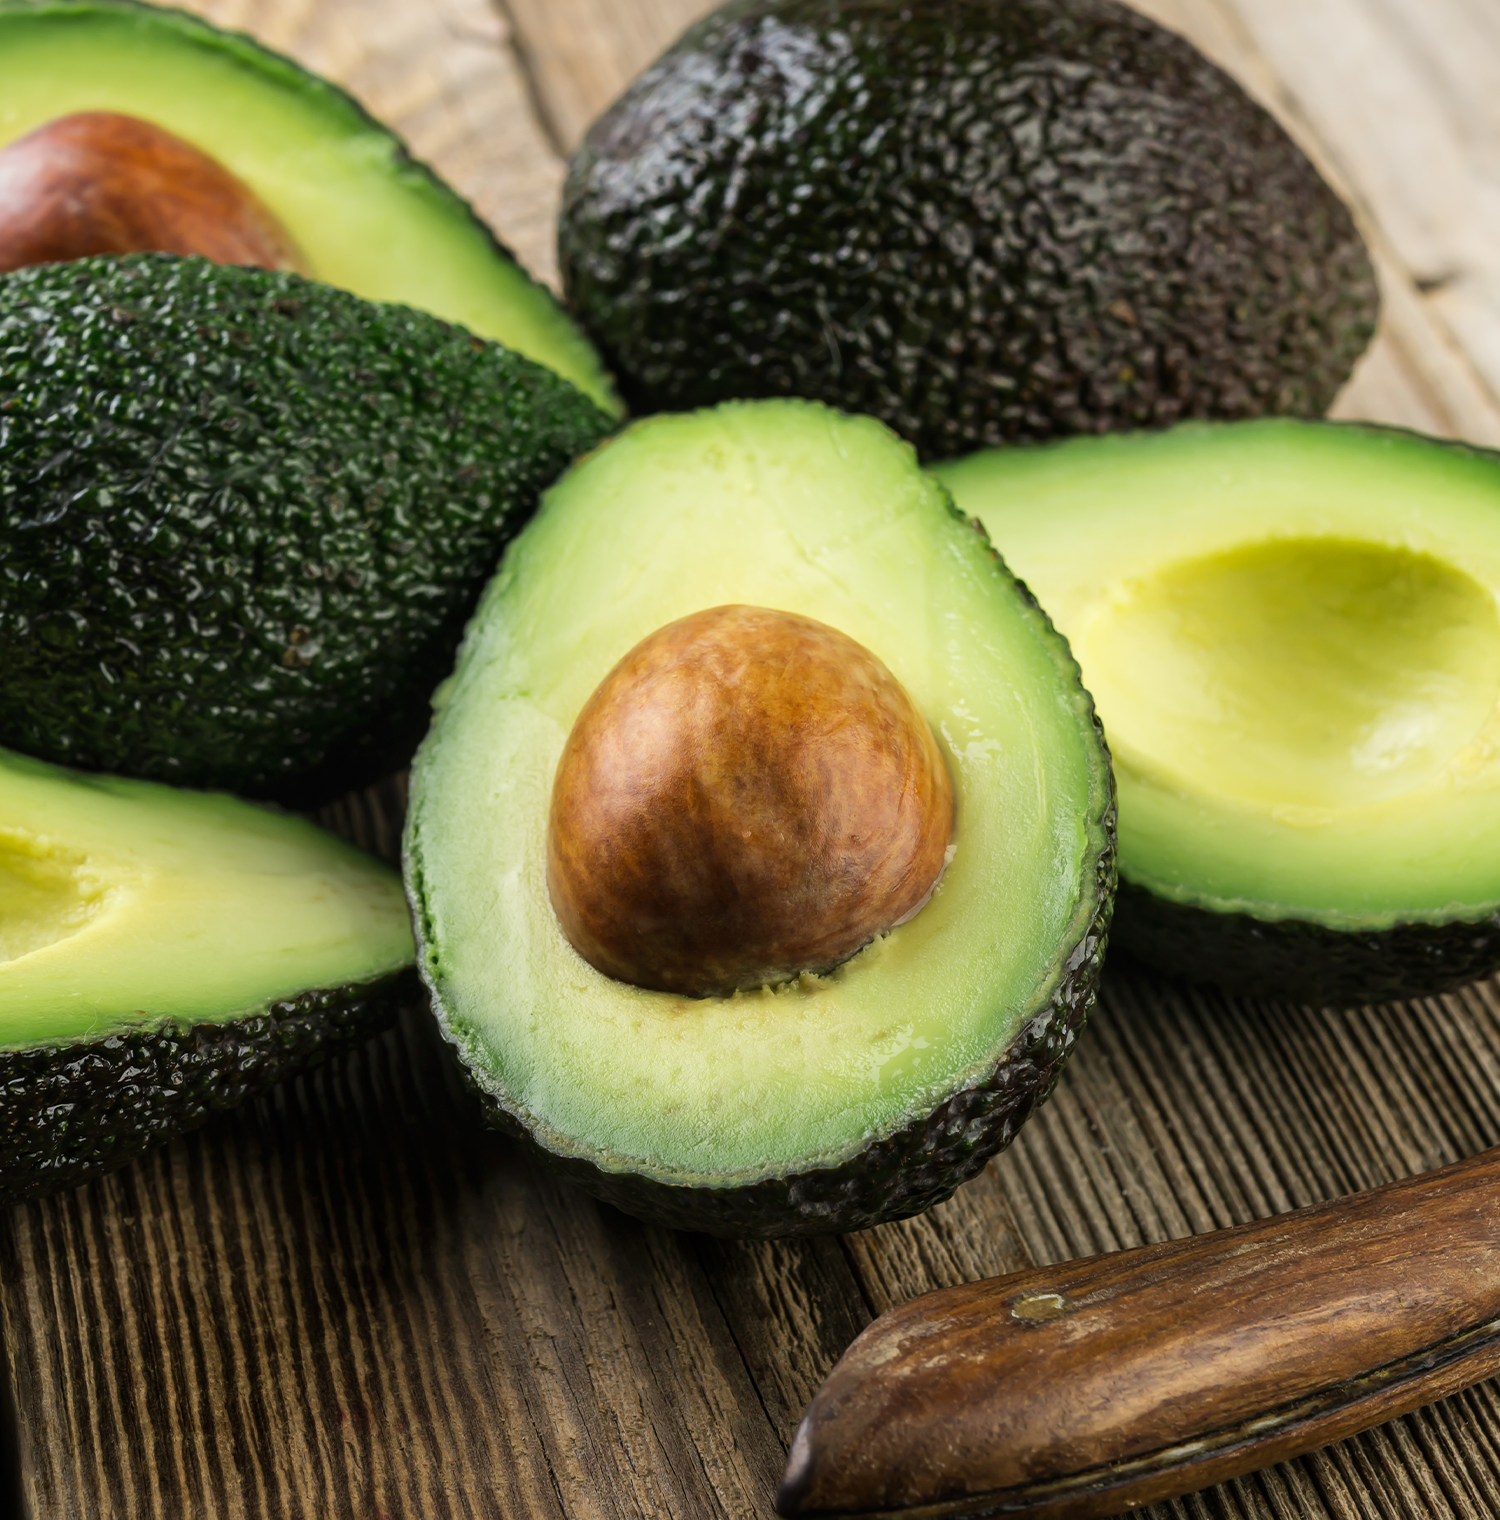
(1097, 1385)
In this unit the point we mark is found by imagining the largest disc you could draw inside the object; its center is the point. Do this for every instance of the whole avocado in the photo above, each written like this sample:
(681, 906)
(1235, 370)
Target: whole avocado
(244, 517)
(977, 220)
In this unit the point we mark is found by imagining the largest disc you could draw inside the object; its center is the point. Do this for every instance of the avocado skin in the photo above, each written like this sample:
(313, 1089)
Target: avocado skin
(1295, 961)
(244, 517)
(69, 1112)
(977, 222)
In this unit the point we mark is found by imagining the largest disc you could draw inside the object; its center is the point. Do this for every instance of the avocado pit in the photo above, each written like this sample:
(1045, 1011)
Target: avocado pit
(100, 182)
(748, 795)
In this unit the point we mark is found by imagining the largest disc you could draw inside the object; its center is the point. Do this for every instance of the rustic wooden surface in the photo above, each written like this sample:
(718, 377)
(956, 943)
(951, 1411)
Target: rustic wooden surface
(350, 1301)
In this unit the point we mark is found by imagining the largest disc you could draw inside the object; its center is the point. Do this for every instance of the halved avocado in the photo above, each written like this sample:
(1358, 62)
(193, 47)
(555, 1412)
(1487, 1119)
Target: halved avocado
(164, 954)
(833, 1101)
(365, 215)
(1291, 630)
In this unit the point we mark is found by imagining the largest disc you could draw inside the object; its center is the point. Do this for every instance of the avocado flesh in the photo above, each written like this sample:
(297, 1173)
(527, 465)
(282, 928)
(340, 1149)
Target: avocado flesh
(682, 1108)
(975, 221)
(367, 217)
(162, 954)
(246, 516)
(1291, 633)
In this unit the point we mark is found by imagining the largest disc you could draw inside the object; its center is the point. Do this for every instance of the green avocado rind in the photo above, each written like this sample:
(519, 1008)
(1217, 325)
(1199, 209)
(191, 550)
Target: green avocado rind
(244, 516)
(69, 1112)
(435, 252)
(976, 222)
(1013, 1028)
(1388, 895)
(1293, 959)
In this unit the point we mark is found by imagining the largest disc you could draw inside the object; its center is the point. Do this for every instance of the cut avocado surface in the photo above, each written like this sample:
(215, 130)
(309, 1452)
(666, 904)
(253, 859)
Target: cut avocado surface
(246, 516)
(833, 1101)
(162, 954)
(1291, 631)
(364, 214)
(977, 221)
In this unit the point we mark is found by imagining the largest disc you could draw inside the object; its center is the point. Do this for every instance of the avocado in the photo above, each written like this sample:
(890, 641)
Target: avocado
(364, 215)
(244, 515)
(975, 221)
(164, 954)
(828, 1101)
(1292, 634)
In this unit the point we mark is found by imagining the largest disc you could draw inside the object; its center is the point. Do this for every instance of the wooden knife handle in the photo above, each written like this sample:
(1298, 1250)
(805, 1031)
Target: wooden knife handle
(1094, 1386)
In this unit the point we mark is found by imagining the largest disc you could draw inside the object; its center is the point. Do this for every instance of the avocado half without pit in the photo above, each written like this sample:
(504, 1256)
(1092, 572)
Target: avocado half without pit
(163, 955)
(761, 851)
(1291, 630)
(250, 159)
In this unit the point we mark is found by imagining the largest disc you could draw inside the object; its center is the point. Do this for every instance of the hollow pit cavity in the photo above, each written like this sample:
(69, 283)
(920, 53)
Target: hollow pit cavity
(1322, 673)
(45, 897)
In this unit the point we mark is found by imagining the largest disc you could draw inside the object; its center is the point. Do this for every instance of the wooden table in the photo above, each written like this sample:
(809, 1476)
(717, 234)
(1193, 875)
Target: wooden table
(351, 1301)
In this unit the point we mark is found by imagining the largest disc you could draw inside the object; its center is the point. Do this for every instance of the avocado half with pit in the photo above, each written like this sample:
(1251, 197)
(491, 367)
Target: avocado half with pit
(1291, 630)
(358, 210)
(244, 517)
(163, 955)
(823, 1100)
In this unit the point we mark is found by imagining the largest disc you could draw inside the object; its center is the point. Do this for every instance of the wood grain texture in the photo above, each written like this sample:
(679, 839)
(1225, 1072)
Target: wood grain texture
(350, 1301)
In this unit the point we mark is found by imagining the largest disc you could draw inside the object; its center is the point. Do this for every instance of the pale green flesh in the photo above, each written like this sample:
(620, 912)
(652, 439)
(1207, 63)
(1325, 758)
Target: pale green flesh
(1291, 632)
(125, 903)
(363, 219)
(788, 506)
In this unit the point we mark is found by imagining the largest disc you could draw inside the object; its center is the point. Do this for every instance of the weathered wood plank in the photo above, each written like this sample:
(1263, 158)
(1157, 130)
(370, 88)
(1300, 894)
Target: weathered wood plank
(582, 53)
(1390, 115)
(352, 1300)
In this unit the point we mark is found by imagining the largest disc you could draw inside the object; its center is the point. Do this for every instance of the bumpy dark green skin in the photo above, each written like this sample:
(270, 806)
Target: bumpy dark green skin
(72, 1111)
(976, 221)
(244, 517)
(1296, 961)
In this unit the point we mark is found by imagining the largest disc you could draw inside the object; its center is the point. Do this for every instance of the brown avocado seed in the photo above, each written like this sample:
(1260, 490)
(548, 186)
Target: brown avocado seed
(100, 182)
(746, 796)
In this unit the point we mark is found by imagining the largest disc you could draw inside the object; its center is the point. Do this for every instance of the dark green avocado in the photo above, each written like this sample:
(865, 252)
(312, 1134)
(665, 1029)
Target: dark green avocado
(363, 214)
(976, 221)
(163, 955)
(243, 517)
(833, 1101)
(1291, 630)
